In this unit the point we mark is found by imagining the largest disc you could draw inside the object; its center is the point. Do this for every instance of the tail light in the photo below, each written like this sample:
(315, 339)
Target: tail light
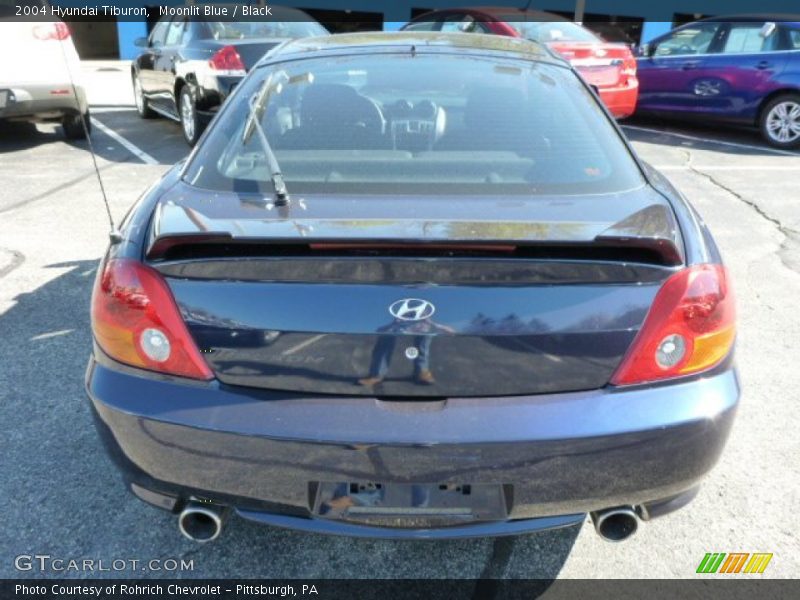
(228, 62)
(135, 320)
(629, 66)
(51, 31)
(690, 328)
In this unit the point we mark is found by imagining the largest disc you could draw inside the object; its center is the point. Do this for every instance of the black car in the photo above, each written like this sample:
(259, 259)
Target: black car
(189, 65)
(413, 285)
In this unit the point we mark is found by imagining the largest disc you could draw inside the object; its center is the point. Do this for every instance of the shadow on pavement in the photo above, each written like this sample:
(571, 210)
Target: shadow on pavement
(71, 503)
(23, 136)
(159, 137)
(716, 138)
(20, 136)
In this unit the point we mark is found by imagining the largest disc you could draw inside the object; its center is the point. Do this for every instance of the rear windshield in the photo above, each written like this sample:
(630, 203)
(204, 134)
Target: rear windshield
(234, 30)
(418, 124)
(553, 31)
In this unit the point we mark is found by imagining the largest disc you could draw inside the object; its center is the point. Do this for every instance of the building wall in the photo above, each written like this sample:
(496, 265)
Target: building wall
(658, 16)
(95, 39)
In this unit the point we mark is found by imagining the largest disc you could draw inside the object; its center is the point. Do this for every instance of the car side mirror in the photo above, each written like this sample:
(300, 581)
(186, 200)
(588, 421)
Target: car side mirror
(646, 50)
(767, 30)
(140, 42)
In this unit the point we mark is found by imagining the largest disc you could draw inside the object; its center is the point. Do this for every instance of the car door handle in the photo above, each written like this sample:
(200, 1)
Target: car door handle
(764, 64)
(688, 66)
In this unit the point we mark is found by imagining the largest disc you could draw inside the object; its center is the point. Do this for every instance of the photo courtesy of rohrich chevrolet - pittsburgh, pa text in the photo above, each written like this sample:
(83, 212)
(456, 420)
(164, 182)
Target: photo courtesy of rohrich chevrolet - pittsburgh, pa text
(399, 299)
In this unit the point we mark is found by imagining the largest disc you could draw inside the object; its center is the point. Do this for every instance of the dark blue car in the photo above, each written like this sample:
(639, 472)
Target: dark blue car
(413, 285)
(743, 70)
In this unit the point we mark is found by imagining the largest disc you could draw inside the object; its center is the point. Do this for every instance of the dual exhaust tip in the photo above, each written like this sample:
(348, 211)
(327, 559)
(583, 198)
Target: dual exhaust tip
(202, 522)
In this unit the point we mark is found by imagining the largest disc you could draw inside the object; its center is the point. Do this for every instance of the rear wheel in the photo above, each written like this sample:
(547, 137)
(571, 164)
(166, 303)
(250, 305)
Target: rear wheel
(780, 121)
(73, 126)
(142, 105)
(190, 122)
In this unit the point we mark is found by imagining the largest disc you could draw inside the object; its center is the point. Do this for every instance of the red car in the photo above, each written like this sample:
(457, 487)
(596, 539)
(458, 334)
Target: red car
(609, 67)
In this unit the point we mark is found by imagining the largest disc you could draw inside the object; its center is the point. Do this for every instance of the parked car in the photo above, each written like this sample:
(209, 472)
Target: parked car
(43, 81)
(609, 67)
(188, 66)
(413, 285)
(743, 70)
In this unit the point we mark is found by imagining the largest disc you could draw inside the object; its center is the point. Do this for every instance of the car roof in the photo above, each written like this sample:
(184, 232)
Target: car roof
(420, 40)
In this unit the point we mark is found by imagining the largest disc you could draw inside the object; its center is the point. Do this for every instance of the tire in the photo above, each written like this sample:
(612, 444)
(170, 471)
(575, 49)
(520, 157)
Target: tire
(73, 126)
(142, 104)
(190, 121)
(779, 121)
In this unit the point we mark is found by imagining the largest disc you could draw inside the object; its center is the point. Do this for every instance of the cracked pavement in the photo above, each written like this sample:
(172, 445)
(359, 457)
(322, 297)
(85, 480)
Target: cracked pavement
(63, 497)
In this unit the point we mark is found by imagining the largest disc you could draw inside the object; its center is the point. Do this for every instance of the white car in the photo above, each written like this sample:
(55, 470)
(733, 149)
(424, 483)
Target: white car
(42, 83)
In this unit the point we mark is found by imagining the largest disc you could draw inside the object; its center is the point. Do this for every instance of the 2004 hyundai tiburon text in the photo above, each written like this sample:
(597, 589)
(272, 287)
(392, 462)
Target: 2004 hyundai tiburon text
(413, 285)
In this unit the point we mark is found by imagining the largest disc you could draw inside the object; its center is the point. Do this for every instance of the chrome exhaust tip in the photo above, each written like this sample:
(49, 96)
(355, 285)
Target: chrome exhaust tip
(615, 524)
(201, 522)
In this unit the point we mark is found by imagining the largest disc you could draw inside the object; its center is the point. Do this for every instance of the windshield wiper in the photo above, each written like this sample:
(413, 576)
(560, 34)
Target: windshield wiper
(253, 124)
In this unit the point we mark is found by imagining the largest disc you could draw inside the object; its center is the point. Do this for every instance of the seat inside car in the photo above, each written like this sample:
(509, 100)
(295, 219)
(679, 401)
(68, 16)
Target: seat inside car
(488, 124)
(336, 117)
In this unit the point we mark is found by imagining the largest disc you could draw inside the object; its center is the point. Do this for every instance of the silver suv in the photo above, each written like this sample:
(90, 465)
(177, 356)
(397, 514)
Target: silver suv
(42, 82)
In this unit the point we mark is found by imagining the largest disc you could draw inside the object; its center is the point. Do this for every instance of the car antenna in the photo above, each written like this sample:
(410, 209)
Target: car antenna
(114, 234)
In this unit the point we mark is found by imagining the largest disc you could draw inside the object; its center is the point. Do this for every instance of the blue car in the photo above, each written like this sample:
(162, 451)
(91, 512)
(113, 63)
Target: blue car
(743, 70)
(413, 285)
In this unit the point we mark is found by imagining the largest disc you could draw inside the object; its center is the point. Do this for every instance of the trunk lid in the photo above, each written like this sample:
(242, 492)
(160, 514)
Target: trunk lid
(305, 302)
(251, 51)
(600, 64)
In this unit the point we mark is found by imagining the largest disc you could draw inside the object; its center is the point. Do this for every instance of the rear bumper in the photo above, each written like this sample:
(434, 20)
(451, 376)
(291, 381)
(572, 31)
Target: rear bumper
(42, 101)
(263, 453)
(621, 101)
(212, 93)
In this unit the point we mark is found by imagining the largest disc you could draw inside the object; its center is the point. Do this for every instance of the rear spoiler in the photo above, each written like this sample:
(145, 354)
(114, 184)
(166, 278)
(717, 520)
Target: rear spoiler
(606, 247)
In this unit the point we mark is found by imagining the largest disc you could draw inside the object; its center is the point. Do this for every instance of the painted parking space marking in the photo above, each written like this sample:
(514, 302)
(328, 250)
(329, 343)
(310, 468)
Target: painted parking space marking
(726, 168)
(695, 138)
(127, 144)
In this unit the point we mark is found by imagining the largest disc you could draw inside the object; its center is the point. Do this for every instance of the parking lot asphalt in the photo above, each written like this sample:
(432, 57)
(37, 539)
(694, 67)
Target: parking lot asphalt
(63, 497)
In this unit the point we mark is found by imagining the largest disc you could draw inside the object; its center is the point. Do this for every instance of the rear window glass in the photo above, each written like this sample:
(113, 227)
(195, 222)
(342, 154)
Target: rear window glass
(794, 39)
(749, 38)
(416, 123)
(553, 31)
(235, 30)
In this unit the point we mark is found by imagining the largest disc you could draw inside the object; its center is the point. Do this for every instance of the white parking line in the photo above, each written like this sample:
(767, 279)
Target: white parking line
(712, 141)
(129, 146)
(726, 168)
(96, 110)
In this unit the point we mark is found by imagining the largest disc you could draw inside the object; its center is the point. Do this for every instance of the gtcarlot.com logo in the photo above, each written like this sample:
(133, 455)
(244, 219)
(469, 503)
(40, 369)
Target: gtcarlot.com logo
(47, 563)
(735, 562)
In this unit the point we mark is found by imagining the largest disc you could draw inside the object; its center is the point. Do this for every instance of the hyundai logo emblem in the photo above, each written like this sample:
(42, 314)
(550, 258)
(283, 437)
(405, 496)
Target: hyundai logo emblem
(412, 309)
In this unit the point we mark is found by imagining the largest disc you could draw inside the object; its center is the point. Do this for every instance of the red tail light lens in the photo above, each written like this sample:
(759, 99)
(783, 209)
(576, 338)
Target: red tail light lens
(690, 328)
(135, 320)
(228, 61)
(629, 67)
(51, 31)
